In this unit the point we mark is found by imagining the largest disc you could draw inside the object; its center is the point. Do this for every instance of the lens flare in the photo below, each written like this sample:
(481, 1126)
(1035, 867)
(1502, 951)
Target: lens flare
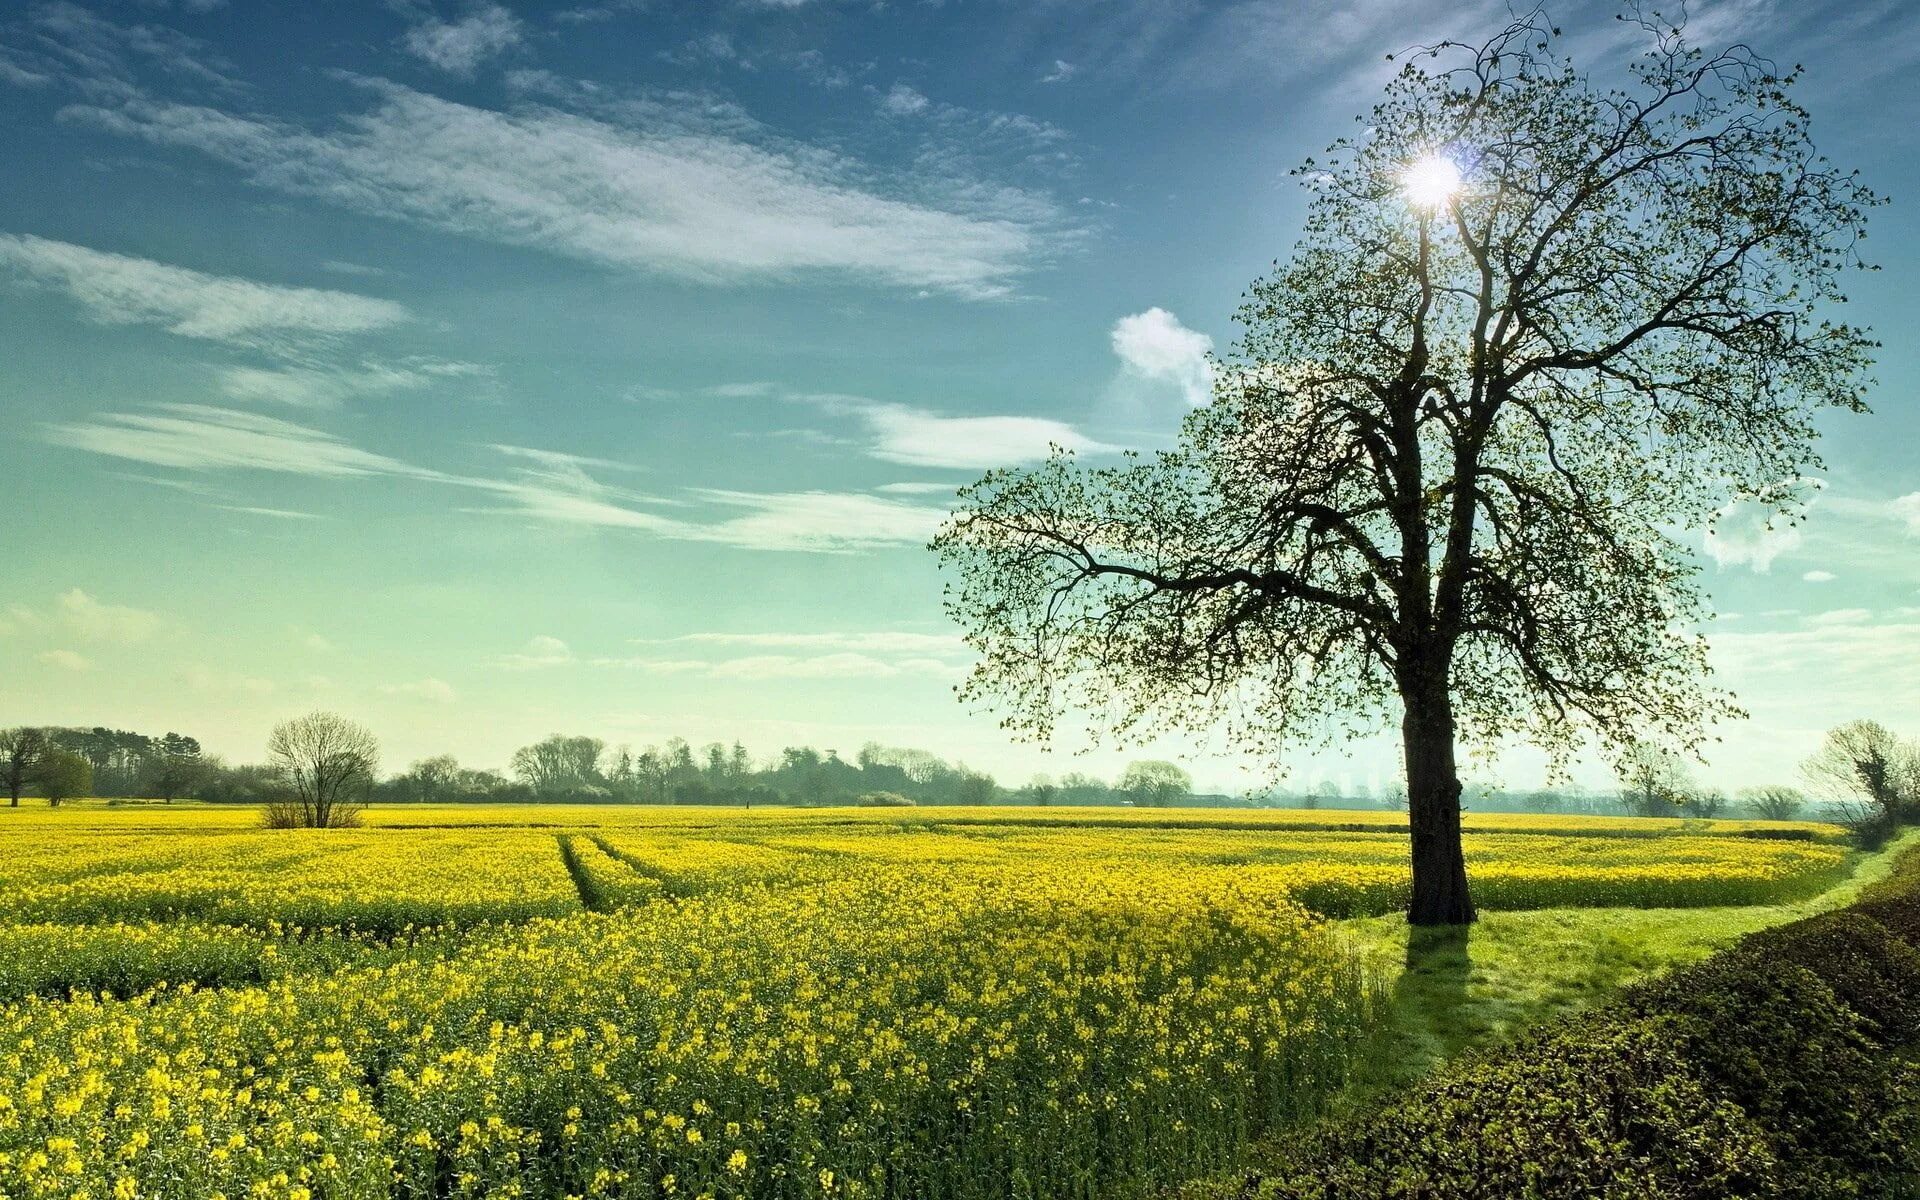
(1432, 181)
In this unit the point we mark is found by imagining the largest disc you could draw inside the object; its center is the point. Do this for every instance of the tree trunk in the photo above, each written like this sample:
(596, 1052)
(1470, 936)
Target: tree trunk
(1440, 895)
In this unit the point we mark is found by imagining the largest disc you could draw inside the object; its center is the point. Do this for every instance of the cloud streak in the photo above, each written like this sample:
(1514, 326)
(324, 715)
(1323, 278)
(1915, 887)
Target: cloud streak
(556, 489)
(119, 289)
(669, 195)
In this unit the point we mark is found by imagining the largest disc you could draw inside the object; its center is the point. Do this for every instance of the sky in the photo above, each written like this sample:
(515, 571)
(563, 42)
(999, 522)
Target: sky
(486, 370)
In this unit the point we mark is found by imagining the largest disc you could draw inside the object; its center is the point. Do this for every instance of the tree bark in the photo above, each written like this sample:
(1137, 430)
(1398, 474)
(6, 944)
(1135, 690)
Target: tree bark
(1440, 894)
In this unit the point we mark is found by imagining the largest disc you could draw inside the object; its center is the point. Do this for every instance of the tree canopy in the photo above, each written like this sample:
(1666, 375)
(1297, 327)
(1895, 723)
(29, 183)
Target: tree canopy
(1534, 328)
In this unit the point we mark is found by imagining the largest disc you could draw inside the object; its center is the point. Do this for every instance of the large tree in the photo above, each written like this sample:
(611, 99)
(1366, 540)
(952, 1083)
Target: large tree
(21, 749)
(560, 765)
(1536, 325)
(1154, 783)
(326, 763)
(1865, 762)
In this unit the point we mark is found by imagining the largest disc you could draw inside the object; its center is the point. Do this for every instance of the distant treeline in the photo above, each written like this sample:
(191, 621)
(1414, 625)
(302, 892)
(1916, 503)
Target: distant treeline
(57, 762)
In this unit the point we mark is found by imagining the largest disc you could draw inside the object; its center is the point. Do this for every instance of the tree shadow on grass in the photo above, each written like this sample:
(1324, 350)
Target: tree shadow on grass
(1429, 1014)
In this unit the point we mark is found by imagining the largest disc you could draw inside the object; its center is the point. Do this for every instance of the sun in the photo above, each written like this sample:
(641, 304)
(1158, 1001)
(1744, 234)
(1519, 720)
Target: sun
(1431, 181)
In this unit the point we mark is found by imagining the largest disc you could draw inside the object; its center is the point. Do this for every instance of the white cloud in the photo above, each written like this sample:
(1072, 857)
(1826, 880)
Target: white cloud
(99, 622)
(831, 522)
(1154, 346)
(540, 651)
(1819, 577)
(887, 641)
(459, 47)
(328, 387)
(66, 660)
(1751, 535)
(679, 194)
(1061, 72)
(312, 641)
(919, 489)
(556, 489)
(1907, 509)
(1840, 616)
(199, 437)
(842, 665)
(123, 290)
(918, 438)
(435, 691)
(903, 101)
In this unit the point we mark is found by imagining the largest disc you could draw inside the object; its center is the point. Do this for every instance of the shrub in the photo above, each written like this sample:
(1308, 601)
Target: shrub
(1610, 1111)
(1771, 1069)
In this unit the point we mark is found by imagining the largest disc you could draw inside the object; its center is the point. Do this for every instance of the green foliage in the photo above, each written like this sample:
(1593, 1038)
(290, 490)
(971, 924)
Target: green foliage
(1774, 1068)
(62, 775)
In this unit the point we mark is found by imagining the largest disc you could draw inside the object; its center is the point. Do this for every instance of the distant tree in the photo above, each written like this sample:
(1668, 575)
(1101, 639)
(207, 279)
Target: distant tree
(561, 765)
(1654, 781)
(1774, 802)
(1536, 327)
(20, 752)
(1543, 800)
(62, 775)
(1041, 790)
(430, 780)
(1865, 762)
(326, 764)
(974, 787)
(1704, 803)
(1155, 783)
(172, 771)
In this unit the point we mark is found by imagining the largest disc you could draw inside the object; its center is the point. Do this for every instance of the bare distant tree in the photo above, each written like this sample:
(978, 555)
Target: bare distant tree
(326, 763)
(1155, 783)
(1775, 802)
(20, 751)
(1654, 781)
(1864, 761)
(1535, 327)
(560, 764)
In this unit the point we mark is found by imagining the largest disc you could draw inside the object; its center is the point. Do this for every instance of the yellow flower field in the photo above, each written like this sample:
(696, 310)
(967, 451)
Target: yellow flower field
(695, 1002)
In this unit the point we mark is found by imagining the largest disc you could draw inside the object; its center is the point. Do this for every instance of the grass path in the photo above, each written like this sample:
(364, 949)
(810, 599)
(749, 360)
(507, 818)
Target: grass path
(1452, 991)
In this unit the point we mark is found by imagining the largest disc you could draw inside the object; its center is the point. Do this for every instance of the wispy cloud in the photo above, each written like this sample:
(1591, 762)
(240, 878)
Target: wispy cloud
(827, 522)
(555, 489)
(541, 651)
(65, 42)
(434, 691)
(198, 437)
(459, 47)
(854, 654)
(330, 386)
(99, 622)
(915, 437)
(793, 666)
(66, 660)
(889, 641)
(123, 290)
(77, 614)
(702, 201)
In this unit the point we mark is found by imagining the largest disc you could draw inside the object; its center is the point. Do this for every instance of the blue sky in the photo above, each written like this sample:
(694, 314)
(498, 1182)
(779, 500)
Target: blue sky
(486, 370)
